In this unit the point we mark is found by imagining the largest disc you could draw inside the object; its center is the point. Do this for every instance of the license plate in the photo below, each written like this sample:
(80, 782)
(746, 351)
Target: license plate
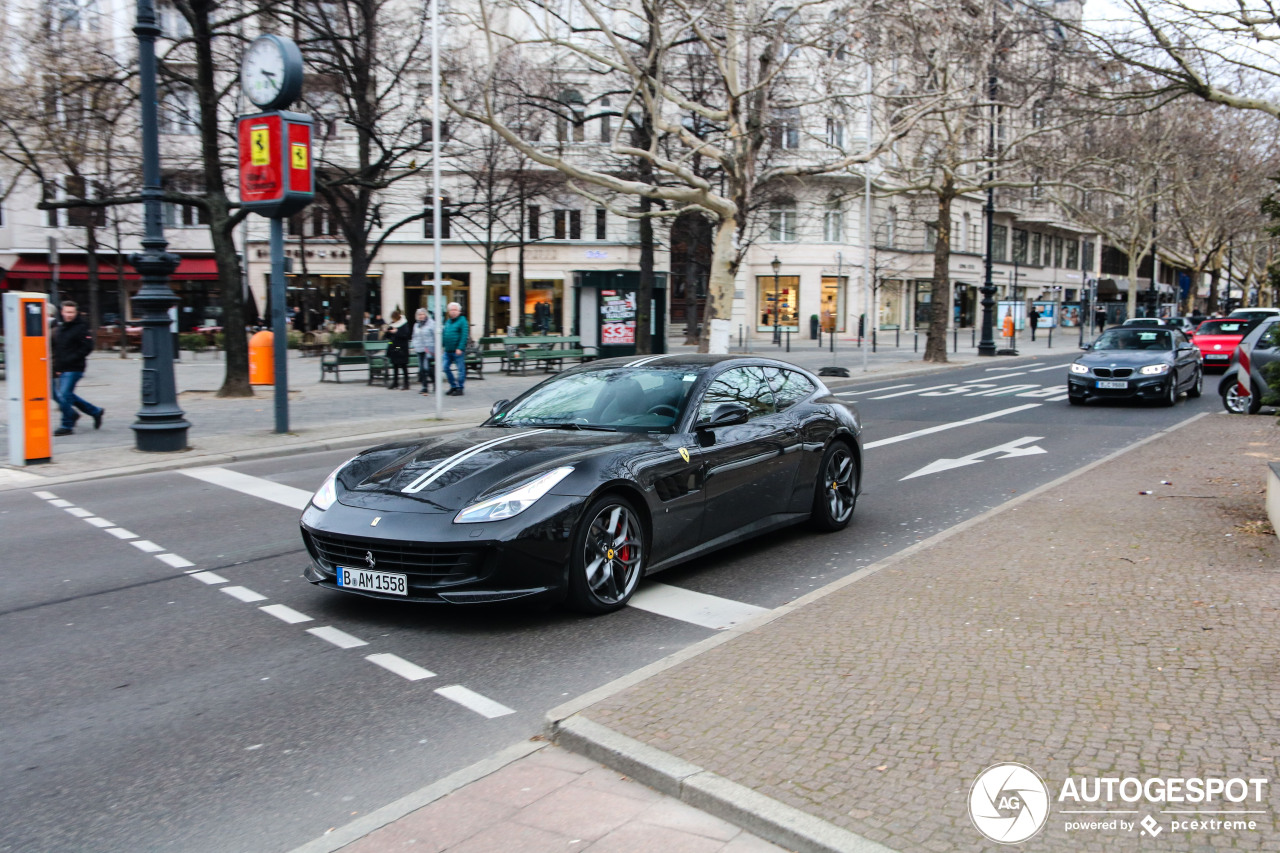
(1102, 383)
(1217, 357)
(373, 581)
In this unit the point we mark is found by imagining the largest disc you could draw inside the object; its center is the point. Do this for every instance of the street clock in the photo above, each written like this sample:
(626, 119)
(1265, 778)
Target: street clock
(271, 72)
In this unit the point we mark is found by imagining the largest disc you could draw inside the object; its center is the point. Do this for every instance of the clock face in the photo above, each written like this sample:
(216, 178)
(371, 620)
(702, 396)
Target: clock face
(264, 71)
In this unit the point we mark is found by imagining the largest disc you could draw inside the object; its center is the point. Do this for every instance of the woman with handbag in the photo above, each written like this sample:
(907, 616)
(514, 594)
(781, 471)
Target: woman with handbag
(399, 333)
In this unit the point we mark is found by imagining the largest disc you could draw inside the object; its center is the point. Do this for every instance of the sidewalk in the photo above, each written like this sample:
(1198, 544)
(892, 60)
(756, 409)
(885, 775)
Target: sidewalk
(1118, 622)
(350, 414)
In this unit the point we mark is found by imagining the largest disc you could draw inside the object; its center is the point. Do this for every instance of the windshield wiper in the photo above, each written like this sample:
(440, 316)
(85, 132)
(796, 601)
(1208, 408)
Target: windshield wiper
(572, 425)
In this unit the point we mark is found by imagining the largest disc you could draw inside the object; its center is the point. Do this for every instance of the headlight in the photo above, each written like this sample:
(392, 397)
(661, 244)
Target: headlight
(328, 491)
(1079, 368)
(512, 502)
(1154, 369)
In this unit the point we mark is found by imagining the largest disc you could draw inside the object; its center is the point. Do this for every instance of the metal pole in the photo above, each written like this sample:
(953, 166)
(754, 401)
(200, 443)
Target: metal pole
(777, 336)
(54, 265)
(160, 426)
(987, 346)
(435, 207)
(1152, 291)
(279, 338)
(866, 225)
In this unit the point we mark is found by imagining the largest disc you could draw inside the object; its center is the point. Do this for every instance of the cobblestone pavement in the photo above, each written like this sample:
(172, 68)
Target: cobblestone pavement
(556, 802)
(1121, 623)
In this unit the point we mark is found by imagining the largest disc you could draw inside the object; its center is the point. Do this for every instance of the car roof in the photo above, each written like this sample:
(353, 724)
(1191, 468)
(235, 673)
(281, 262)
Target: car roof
(692, 361)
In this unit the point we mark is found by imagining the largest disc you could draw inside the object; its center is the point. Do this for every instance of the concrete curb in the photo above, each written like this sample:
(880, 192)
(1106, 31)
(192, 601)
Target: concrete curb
(390, 813)
(709, 792)
(723, 798)
(182, 459)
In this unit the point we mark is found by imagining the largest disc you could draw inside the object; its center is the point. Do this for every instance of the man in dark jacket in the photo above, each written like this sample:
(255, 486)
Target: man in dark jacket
(72, 341)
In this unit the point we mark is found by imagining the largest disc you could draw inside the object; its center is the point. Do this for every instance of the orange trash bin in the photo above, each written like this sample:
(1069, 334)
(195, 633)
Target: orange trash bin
(262, 365)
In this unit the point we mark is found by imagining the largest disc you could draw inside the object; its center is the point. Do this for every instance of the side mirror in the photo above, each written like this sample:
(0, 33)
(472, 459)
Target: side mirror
(725, 414)
(498, 407)
(1087, 347)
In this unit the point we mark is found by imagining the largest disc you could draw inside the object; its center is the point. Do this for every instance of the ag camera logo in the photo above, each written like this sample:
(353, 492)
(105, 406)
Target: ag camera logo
(1009, 803)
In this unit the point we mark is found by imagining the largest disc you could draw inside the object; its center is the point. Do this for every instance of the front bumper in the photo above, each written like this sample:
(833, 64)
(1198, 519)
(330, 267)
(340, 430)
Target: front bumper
(525, 557)
(1136, 387)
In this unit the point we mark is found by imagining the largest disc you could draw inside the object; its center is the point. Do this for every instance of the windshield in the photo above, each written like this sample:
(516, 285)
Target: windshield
(1224, 327)
(630, 399)
(1134, 338)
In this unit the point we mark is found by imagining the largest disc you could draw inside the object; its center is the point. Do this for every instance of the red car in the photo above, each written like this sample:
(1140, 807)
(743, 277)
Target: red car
(1217, 339)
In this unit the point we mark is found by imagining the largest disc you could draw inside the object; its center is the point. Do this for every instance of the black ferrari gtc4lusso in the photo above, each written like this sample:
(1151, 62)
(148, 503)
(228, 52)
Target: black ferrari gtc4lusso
(588, 481)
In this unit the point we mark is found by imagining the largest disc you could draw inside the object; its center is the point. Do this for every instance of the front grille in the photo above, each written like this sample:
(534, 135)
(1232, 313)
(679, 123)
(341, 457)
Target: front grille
(1108, 373)
(425, 563)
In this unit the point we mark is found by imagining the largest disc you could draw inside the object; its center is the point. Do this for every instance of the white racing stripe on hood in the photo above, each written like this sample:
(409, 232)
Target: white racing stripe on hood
(647, 359)
(458, 458)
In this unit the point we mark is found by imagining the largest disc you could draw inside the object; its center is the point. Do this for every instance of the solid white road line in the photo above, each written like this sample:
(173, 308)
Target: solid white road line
(255, 486)
(341, 639)
(245, 595)
(400, 666)
(100, 522)
(907, 436)
(872, 390)
(698, 608)
(79, 512)
(121, 533)
(988, 378)
(46, 496)
(286, 614)
(174, 560)
(916, 391)
(1010, 367)
(1050, 367)
(59, 502)
(208, 577)
(482, 705)
(146, 545)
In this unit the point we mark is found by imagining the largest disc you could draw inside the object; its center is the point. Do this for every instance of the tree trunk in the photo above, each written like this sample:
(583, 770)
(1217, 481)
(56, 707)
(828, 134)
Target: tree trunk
(91, 249)
(1215, 276)
(721, 279)
(691, 298)
(358, 290)
(935, 349)
(1132, 309)
(235, 340)
(644, 291)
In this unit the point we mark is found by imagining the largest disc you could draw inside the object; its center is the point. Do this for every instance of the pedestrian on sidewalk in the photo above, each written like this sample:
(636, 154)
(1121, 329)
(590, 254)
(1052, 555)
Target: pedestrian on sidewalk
(1034, 319)
(71, 342)
(423, 344)
(399, 333)
(454, 338)
(1100, 318)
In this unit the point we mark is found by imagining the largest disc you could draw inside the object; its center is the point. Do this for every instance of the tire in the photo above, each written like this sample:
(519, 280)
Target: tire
(1197, 387)
(1076, 400)
(608, 559)
(1240, 404)
(1170, 397)
(836, 490)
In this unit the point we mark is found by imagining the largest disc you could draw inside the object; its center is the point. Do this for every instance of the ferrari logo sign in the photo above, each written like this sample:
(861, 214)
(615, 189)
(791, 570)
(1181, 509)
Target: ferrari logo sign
(298, 153)
(684, 454)
(260, 146)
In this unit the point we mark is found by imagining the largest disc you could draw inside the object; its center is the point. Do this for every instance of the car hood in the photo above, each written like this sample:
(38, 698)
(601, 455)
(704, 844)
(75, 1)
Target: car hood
(447, 473)
(1124, 358)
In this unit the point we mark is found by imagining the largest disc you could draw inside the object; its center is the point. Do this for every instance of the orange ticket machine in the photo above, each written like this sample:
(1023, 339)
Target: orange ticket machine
(28, 370)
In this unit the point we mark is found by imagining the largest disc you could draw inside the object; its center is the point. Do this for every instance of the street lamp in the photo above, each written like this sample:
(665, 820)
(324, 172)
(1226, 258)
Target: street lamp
(160, 426)
(777, 333)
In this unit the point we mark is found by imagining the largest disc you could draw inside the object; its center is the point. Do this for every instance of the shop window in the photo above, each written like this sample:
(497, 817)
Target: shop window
(779, 296)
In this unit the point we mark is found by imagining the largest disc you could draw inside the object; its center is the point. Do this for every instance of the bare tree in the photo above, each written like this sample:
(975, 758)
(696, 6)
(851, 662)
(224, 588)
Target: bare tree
(759, 53)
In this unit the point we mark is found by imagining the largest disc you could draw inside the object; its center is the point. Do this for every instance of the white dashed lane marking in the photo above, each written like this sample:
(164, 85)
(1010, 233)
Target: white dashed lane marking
(46, 496)
(286, 614)
(146, 545)
(246, 595)
(255, 486)
(208, 577)
(99, 522)
(78, 512)
(400, 666)
(482, 705)
(873, 390)
(59, 502)
(174, 560)
(1050, 367)
(907, 436)
(341, 639)
(121, 533)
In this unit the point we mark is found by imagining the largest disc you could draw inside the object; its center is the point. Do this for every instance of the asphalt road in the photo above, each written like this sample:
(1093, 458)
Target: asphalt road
(152, 704)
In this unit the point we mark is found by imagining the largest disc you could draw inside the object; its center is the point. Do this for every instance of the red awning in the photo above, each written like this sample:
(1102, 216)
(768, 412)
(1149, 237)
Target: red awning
(191, 269)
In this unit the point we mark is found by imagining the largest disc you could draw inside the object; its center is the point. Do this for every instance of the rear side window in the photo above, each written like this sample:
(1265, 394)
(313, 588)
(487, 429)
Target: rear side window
(745, 385)
(1270, 338)
(789, 387)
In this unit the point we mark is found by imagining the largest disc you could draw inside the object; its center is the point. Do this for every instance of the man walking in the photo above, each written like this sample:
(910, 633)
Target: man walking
(72, 341)
(1033, 319)
(453, 340)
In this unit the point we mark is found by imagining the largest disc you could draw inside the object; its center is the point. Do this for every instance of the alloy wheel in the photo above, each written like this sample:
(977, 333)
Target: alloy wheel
(613, 554)
(1237, 403)
(839, 485)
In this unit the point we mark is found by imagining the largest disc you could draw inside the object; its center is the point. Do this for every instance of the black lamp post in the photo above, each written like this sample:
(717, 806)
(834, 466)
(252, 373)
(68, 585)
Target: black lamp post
(777, 306)
(160, 426)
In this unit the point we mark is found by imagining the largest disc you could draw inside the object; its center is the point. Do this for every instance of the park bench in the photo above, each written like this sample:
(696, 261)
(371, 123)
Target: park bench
(549, 352)
(370, 356)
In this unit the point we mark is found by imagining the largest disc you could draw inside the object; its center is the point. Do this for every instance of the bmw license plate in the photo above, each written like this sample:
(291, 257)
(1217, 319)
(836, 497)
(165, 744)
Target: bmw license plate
(373, 581)
(1102, 383)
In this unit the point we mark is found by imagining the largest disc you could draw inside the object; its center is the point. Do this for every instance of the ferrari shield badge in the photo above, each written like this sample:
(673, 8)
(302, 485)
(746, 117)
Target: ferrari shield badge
(684, 454)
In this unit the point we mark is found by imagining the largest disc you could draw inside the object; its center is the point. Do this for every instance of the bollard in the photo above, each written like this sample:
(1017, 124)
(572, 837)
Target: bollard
(973, 336)
(831, 339)
(1050, 337)
(873, 340)
(955, 339)
(788, 340)
(739, 336)
(915, 346)
(897, 337)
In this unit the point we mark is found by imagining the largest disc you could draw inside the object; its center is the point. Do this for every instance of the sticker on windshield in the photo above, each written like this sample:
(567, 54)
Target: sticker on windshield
(690, 377)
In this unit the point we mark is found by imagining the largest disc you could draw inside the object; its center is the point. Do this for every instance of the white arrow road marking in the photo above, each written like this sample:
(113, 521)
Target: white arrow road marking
(1009, 449)
(873, 390)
